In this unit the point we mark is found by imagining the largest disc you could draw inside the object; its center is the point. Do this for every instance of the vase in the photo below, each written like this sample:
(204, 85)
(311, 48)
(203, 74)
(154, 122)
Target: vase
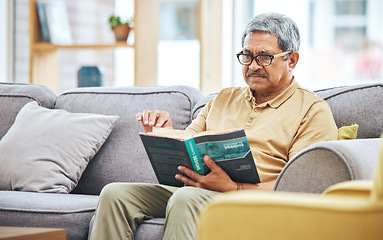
(90, 76)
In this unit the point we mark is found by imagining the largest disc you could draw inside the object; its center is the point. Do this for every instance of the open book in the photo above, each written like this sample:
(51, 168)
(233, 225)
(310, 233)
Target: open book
(169, 148)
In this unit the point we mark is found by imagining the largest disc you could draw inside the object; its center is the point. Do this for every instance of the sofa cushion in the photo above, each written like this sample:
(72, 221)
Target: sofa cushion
(14, 96)
(360, 104)
(47, 150)
(150, 229)
(27, 209)
(123, 158)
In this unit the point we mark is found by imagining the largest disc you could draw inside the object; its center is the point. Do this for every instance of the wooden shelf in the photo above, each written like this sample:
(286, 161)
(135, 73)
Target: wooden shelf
(41, 46)
(44, 58)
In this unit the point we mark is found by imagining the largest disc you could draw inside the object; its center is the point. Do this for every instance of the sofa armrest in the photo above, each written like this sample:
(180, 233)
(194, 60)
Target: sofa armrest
(356, 189)
(323, 164)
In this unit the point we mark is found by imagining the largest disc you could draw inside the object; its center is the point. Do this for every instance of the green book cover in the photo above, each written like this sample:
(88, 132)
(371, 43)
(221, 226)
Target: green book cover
(230, 150)
(194, 156)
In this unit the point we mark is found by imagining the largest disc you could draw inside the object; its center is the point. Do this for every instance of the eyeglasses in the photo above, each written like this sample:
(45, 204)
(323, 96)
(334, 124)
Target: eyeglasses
(262, 60)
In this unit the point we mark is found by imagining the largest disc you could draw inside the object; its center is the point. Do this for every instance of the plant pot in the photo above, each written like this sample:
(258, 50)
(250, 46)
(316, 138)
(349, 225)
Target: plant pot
(121, 32)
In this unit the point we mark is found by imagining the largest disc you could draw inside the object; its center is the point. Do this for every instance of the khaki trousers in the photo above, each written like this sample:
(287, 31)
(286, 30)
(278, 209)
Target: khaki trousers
(123, 206)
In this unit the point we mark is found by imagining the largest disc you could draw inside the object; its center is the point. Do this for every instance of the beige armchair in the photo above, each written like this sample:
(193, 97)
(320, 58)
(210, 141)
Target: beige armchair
(349, 210)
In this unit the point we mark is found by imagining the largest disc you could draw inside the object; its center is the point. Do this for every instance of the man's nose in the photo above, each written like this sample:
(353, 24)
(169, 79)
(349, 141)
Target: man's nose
(254, 65)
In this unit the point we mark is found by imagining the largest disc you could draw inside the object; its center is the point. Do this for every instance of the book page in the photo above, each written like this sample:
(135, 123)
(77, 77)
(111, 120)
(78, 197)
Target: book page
(171, 133)
(183, 134)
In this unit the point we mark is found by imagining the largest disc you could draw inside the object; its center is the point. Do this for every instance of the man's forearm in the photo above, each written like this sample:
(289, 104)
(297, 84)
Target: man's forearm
(269, 186)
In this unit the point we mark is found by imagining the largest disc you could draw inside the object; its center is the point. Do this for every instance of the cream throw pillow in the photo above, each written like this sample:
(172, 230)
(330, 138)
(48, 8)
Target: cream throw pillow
(47, 150)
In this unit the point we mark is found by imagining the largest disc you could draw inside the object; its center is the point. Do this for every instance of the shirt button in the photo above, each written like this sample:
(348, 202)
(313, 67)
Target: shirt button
(250, 120)
(255, 109)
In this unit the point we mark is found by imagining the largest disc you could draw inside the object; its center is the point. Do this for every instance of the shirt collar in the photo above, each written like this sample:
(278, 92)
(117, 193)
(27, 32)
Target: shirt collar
(277, 101)
(248, 94)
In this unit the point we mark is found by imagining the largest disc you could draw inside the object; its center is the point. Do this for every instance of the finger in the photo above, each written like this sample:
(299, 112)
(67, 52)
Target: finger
(186, 181)
(190, 173)
(210, 163)
(163, 118)
(153, 116)
(139, 116)
(145, 117)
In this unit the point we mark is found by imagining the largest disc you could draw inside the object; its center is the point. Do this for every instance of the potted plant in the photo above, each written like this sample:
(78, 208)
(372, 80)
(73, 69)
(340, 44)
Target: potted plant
(120, 28)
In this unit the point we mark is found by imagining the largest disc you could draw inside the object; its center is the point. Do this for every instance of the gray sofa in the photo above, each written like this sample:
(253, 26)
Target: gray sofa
(122, 157)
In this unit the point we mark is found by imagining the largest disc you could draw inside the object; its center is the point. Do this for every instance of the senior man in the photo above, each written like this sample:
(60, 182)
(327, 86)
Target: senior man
(280, 119)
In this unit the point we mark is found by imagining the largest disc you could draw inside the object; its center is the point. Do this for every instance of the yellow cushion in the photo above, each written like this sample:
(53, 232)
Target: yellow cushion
(348, 132)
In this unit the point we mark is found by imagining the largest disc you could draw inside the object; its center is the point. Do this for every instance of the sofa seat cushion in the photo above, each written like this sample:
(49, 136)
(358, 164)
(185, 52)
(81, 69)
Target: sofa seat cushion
(29, 209)
(150, 229)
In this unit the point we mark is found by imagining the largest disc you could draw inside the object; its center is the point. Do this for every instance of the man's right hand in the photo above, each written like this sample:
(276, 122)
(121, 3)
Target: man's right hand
(155, 118)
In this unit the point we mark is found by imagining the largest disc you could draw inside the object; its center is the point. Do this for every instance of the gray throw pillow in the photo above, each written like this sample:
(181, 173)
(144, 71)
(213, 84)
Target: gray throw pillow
(47, 150)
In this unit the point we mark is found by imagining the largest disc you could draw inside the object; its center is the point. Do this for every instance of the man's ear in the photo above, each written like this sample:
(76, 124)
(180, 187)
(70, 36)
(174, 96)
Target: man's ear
(293, 60)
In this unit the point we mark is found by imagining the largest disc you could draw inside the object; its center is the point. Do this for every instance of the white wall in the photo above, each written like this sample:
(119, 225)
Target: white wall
(124, 57)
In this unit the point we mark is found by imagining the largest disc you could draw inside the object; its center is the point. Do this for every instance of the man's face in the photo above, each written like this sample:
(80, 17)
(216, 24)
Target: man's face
(266, 80)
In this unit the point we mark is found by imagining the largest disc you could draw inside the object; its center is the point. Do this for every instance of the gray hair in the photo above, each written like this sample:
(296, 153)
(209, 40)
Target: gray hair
(281, 26)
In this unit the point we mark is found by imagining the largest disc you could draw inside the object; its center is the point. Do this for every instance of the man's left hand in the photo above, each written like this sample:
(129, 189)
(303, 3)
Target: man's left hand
(216, 180)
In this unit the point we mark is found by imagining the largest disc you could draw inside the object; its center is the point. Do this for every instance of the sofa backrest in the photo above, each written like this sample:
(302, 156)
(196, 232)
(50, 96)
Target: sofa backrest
(201, 103)
(122, 158)
(360, 104)
(14, 96)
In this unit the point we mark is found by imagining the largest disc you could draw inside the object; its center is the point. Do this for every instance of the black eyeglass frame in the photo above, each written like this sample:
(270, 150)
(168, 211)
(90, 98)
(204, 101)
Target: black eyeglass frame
(256, 57)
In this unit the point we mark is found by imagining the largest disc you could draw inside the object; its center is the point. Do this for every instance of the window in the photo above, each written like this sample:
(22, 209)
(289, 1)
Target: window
(350, 7)
(341, 40)
(179, 48)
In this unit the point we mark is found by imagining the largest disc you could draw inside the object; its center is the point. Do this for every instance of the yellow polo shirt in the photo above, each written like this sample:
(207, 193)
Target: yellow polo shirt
(277, 129)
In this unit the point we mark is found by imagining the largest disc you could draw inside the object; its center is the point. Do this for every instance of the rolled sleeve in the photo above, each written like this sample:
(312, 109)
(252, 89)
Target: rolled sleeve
(317, 126)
